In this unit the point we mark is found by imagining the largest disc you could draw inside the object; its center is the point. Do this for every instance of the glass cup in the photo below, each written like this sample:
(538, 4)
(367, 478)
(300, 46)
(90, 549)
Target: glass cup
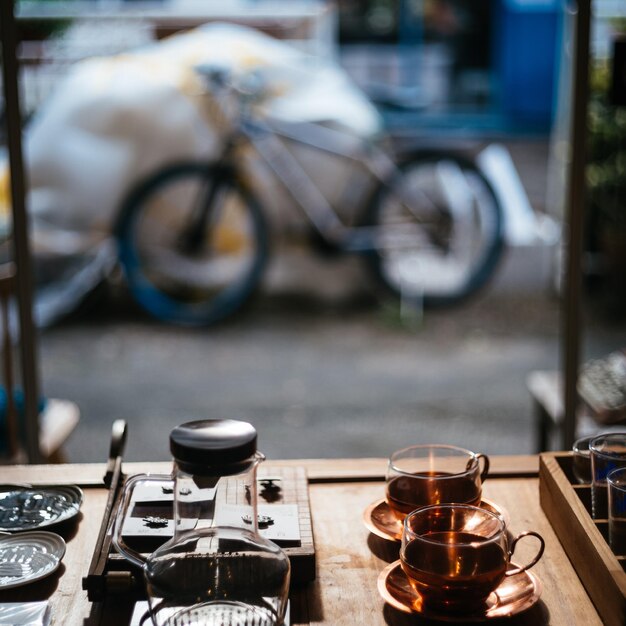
(427, 474)
(608, 452)
(581, 460)
(455, 555)
(616, 481)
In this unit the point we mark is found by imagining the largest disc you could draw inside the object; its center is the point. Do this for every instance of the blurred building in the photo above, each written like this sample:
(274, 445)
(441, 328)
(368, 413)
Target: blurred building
(479, 65)
(485, 64)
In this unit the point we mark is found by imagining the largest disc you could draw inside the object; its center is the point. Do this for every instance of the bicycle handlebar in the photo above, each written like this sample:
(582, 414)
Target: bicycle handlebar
(249, 86)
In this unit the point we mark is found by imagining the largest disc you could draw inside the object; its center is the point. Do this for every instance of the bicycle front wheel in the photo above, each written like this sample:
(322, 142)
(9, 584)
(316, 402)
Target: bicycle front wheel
(438, 230)
(197, 284)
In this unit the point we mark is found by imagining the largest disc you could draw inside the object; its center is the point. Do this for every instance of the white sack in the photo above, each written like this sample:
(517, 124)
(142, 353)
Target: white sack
(114, 120)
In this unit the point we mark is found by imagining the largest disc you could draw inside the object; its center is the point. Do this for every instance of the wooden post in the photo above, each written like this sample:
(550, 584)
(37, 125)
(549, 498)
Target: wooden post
(575, 205)
(20, 230)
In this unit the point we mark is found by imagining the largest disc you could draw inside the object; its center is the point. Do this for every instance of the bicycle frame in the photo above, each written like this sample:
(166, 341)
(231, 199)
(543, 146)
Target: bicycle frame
(267, 143)
(266, 139)
(415, 239)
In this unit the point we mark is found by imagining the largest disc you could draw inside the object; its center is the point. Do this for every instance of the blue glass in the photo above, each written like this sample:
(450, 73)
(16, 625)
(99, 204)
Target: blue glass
(608, 452)
(616, 481)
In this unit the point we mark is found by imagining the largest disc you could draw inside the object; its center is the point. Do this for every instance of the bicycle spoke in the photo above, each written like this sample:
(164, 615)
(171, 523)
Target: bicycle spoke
(437, 229)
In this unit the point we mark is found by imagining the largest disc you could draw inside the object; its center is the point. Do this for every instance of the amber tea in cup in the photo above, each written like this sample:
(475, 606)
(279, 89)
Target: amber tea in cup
(428, 474)
(455, 555)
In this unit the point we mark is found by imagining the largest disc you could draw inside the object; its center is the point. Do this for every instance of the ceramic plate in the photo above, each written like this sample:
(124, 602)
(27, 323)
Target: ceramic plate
(515, 594)
(380, 519)
(23, 507)
(29, 556)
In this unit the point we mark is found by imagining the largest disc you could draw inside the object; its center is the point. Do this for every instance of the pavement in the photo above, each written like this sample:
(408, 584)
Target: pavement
(320, 366)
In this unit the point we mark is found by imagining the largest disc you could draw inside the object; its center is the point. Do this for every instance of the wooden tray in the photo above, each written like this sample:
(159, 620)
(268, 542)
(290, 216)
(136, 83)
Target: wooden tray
(567, 506)
(110, 573)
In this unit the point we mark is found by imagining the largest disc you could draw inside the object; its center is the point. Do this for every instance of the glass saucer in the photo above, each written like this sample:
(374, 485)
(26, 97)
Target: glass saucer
(380, 520)
(516, 593)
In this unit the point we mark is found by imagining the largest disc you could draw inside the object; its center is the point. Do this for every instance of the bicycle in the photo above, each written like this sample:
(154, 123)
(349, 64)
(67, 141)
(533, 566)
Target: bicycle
(193, 239)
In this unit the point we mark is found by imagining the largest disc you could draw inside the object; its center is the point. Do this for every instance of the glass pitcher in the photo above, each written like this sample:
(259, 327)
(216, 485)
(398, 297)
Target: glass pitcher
(216, 569)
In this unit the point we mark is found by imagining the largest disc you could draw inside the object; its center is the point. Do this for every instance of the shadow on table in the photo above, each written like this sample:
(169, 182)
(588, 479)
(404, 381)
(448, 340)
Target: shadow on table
(537, 615)
(384, 549)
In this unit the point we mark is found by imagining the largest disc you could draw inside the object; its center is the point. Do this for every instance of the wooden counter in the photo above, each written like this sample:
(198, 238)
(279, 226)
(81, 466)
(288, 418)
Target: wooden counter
(349, 558)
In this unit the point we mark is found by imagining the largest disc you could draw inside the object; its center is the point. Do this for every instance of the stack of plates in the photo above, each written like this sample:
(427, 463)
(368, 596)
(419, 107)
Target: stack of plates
(28, 553)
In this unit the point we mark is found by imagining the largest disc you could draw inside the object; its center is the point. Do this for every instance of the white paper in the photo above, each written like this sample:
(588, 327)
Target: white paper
(284, 529)
(24, 614)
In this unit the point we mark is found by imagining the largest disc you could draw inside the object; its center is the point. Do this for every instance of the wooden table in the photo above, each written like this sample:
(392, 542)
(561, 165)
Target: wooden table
(349, 558)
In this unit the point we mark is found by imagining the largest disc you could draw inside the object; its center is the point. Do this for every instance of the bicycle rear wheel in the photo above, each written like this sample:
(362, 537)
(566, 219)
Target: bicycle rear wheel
(197, 284)
(439, 230)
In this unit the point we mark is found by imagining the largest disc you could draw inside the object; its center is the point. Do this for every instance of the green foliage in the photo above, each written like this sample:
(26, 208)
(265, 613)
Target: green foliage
(35, 28)
(606, 166)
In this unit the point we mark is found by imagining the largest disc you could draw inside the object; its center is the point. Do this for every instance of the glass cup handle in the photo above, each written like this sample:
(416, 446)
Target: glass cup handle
(120, 515)
(542, 545)
(485, 471)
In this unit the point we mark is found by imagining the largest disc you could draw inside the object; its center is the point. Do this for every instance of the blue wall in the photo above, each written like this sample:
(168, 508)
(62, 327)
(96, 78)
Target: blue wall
(526, 38)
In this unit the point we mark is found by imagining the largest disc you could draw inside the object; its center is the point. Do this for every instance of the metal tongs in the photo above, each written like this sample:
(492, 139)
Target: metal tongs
(100, 580)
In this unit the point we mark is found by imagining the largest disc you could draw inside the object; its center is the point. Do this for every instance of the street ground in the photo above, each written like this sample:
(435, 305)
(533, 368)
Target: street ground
(316, 380)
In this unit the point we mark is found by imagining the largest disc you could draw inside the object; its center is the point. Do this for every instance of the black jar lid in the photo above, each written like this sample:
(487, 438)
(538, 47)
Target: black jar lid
(201, 446)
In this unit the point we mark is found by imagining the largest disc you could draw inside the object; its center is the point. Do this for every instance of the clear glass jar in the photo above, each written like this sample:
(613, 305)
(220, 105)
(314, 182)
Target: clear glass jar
(216, 568)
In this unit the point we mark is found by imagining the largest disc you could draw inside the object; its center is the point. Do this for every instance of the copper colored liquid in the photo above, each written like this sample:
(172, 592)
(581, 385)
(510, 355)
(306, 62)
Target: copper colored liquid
(457, 577)
(406, 493)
